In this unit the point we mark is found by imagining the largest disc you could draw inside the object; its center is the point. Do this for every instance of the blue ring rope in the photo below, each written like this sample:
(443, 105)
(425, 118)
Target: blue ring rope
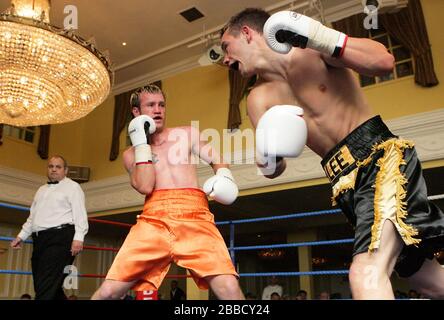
(301, 273)
(10, 239)
(296, 244)
(261, 274)
(13, 206)
(287, 216)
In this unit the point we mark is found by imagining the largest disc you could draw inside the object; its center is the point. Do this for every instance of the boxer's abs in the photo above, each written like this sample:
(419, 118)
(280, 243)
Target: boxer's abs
(173, 172)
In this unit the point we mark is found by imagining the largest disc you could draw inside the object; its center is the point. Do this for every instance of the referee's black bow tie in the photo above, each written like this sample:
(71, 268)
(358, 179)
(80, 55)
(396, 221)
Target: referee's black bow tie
(52, 182)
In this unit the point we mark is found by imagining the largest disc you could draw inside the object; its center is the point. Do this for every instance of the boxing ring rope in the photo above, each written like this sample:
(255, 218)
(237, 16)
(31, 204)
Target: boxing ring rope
(287, 216)
(295, 244)
(115, 223)
(85, 247)
(88, 275)
(232, 247)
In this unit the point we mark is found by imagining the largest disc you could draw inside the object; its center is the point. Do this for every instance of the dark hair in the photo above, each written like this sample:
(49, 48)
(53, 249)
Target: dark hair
(336, 295)
(65, 164)
(250, 295)
(135, 96)
(254, 18)
(26, 296)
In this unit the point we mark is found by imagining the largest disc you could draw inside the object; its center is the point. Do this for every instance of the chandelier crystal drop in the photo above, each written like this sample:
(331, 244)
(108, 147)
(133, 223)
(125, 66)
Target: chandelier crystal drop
(47, 75)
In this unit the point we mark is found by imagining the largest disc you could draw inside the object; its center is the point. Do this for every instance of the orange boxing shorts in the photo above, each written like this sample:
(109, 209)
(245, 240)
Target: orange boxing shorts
(175, 226)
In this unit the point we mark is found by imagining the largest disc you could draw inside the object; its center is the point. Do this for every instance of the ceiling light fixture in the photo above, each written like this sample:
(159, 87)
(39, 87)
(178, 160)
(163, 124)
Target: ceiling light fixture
(47, 75)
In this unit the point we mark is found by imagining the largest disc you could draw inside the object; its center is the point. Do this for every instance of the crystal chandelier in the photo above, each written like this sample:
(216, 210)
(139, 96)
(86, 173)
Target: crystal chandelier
(47, 75)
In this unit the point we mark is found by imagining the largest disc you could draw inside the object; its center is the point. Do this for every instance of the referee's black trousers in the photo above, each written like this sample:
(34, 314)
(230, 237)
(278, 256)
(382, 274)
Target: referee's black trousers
(51, 254)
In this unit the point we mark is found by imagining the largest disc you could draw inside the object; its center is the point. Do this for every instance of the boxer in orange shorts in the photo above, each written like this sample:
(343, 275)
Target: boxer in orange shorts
(176, 224)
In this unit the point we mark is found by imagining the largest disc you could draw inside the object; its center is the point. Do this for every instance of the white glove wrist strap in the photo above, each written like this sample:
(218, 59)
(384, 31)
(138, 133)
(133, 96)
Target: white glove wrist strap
(143, 154)
(326, 40)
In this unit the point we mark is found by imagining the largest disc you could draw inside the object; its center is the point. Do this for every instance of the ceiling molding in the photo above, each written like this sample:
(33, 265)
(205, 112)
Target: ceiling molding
(343, 10)
(425, 129)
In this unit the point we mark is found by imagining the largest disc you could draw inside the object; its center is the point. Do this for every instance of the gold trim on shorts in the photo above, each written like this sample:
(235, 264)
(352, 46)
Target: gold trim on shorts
(390, 192)
(344, 183)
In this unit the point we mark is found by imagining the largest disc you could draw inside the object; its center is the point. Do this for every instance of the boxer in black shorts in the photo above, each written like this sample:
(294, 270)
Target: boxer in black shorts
(307, 94)
(377, 177)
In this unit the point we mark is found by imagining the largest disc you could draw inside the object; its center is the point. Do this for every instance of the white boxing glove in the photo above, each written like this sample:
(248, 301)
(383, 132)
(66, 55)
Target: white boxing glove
(139, 130)
(221, 187)
(281, 132)
(287, 29)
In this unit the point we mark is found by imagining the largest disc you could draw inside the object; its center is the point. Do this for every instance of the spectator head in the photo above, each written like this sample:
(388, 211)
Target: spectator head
(275, 296)
(301, 295)
(336, 295)
(250, 296)
(413, 294)
(324, 295)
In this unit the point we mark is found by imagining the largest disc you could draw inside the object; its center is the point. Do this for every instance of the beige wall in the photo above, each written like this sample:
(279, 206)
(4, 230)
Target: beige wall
(200, 94)
(65, 139)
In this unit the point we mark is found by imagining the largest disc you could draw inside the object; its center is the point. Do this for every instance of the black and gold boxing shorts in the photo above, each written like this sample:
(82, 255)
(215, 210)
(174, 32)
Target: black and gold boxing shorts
(376, 176)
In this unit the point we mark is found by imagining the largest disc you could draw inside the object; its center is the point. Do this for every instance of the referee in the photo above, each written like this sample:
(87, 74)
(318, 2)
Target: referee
(58, 223)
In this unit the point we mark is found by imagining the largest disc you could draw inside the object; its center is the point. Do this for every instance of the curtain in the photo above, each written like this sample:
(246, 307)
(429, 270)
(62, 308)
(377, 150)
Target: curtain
(43, 146)
(121, 112)
(409, 28)
(238, 87)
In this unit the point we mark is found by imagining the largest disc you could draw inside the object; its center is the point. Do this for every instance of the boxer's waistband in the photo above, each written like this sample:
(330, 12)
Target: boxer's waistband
(175, 202)
(357, 146)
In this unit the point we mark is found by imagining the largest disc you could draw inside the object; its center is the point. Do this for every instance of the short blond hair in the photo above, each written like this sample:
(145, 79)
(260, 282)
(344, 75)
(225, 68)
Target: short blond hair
(151, 88)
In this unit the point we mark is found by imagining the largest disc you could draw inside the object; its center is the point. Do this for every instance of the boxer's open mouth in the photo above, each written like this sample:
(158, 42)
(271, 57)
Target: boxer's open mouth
(234, 65)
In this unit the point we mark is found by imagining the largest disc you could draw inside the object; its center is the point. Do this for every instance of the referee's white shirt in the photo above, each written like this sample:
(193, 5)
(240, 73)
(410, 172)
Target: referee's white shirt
(57, 204)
